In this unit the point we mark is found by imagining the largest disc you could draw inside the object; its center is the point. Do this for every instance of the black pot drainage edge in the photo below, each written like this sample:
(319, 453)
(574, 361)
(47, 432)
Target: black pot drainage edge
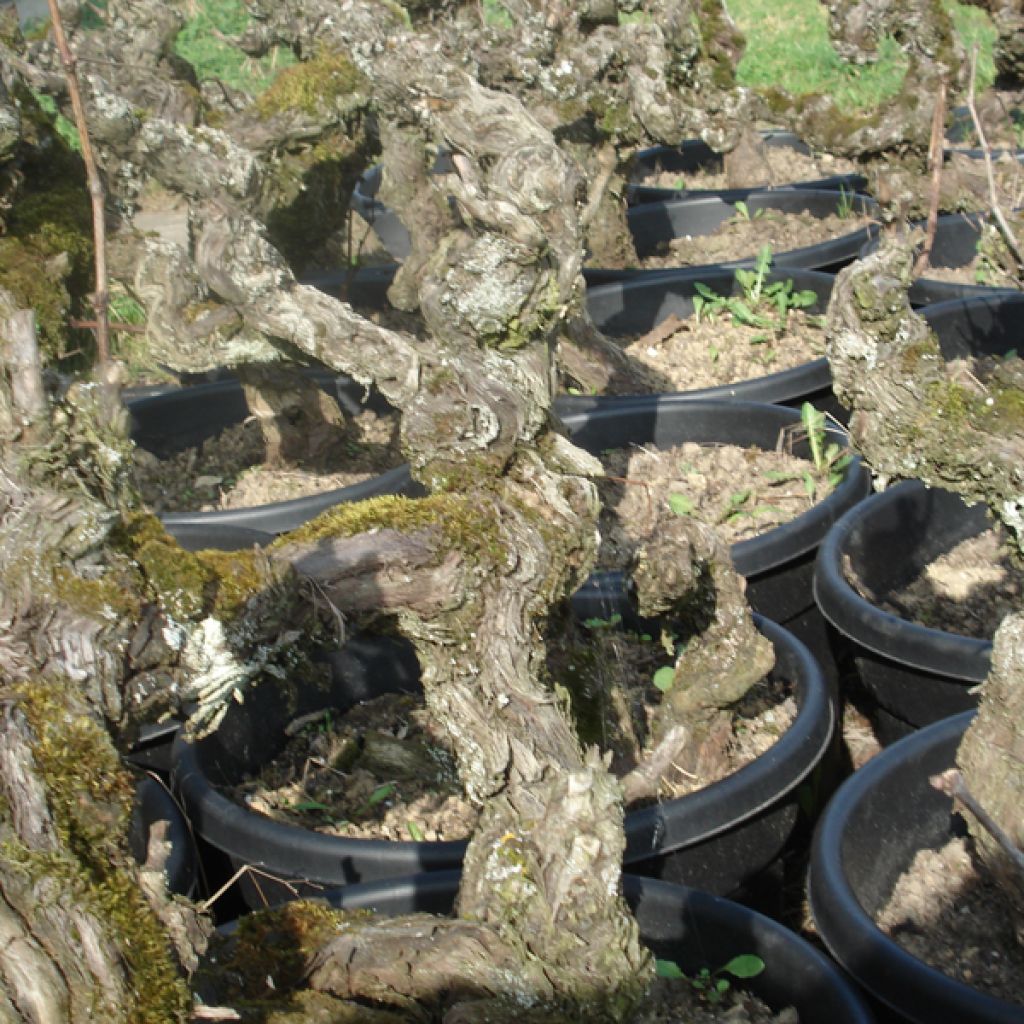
(718, 836)
(694, 155)
(654, 224)
(170, 422)
(692, 929)
(955, 245)
(872, 829)
(915, 674)
(624, 308)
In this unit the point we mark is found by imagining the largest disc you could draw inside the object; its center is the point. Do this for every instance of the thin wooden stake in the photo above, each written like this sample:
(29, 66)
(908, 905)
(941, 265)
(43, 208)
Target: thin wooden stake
(936, 155)
(99, 230)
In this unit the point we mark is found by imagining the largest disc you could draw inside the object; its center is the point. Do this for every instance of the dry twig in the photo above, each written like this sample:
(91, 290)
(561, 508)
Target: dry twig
(997, 211)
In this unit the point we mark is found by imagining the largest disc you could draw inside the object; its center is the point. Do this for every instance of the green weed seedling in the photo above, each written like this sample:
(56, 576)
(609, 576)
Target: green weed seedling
(845, 207)
(713, 986)
(664, 678)
(743, 212)
(762, 304)
(681, 505)
(830, 461)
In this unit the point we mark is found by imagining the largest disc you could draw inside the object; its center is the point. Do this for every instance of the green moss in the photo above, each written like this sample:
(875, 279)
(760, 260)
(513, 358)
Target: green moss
(311, 85)
(232, 579)
(1007, 408)
(927, 349)
(278, 943)
(111, 591)
(176, 576)
(461, 523)
(50, 216)
(90, 796)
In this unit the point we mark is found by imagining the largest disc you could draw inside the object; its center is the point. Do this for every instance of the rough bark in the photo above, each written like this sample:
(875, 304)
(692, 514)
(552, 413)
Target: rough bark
(99, 601)
(991, 757)
(914, 415)
(957, 426)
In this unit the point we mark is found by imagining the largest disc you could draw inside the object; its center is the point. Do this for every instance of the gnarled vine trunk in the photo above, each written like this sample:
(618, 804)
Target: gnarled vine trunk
(110, 625)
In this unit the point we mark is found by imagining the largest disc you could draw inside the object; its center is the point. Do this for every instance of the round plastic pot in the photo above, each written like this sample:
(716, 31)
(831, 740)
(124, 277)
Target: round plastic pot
(694, 156)
(955, 245)
(717, 838)
(721, 836)
(913, 673)
(626, 308)
(153, 803)
(691, 928)
(872, 829)
(778, 564)
(167, 423)
(654, 224)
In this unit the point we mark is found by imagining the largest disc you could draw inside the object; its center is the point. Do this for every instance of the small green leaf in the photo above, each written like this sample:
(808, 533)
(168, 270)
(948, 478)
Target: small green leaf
(746, 965)
(380, 793)
(310, 805)
(608, 623)
(668, 969)
(703, 290)
(415, 832)
(664, 678)
(681, 505)
(809, 485)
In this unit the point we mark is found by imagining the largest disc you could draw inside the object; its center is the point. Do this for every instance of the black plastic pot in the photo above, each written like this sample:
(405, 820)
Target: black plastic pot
(870, 832)
(955, 245)
(625, 308)
(914, 674)
(717, 838)
(154, 803)
(182, 418)
(692, 929)
(779, 564)
(694, 155)
(653, 224)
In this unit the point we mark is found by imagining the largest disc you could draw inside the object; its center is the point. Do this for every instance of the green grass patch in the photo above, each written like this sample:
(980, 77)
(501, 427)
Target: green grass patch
(788, 47)
(204, 43)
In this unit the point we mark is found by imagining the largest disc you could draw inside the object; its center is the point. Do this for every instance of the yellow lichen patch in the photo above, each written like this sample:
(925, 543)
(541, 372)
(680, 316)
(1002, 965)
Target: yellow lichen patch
(312, 85)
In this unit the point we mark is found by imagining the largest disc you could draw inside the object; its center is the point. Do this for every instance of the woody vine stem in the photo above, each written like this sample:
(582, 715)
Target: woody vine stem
(101, 294)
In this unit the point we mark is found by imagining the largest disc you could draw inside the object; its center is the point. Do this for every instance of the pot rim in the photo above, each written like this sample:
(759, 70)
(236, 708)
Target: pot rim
(900, 640)
(850, 933)
(654, 830)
